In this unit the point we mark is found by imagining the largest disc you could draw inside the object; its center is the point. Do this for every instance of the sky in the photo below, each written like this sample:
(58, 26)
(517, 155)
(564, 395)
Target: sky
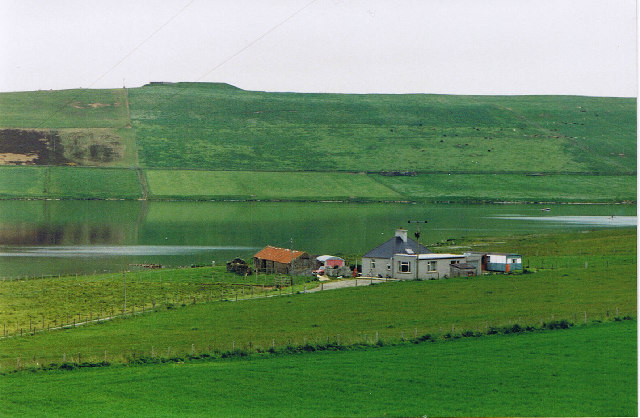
(577, 47)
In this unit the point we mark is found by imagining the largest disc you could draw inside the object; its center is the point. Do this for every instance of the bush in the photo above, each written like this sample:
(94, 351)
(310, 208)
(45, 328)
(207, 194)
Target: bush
(425, 337)
(559, 324)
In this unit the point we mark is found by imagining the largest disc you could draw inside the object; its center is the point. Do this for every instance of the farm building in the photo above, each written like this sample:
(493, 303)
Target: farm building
(390, 258)
(463, 270)
(282, 260)
(330, 261)
(403, 258)
(425, 266)
(495, 262)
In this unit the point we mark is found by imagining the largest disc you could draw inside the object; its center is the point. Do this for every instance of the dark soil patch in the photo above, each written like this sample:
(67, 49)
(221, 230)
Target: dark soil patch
(30, 147)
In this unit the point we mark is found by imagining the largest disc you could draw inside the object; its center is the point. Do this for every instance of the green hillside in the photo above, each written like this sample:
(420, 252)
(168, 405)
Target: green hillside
(213, 127)
(234, 142)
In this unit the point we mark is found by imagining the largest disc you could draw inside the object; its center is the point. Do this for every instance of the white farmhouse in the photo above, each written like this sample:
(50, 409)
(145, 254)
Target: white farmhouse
(403, 258)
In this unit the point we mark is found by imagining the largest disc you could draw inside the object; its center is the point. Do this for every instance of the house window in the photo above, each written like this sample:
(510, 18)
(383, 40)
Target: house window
(404, 267)
(431, 266)
(515, 260)
(373, 264)
(388, 267)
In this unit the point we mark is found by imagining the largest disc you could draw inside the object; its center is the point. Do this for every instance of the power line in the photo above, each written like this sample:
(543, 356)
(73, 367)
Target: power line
(113, 67)
(231, 57)
(143, 42)
(258, 39)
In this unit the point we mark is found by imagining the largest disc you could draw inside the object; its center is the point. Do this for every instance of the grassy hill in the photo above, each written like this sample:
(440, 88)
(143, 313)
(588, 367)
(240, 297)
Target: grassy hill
(213, 127)
(219, 134)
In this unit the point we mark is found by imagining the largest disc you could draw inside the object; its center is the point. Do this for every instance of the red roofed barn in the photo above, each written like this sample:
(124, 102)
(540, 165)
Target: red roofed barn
(280, 260)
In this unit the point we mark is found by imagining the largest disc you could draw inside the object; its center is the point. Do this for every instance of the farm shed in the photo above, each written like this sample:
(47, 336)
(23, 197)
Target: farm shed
(384, 260)
(496, 262)
(463, 270)
(281, 260)
(330, 261)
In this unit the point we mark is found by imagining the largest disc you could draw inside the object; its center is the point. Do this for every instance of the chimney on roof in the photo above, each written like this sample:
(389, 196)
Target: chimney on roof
(402, 234)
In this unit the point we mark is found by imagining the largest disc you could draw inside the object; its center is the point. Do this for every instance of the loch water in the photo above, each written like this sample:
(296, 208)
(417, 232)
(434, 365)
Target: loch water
(66, 237)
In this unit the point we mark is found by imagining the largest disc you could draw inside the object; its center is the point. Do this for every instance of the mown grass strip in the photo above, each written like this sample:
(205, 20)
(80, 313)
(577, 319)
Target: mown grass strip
(192, 184)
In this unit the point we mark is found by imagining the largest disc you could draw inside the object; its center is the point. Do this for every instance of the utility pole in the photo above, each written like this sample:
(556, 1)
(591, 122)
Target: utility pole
(291, 265)
(124, 276)
(417, 235)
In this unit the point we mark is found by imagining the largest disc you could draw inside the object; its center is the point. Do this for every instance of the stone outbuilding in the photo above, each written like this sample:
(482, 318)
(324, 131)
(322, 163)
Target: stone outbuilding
(282, 260)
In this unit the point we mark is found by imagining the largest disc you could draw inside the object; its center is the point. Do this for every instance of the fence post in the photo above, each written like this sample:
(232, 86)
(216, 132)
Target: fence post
(585, 317)
(105, 356)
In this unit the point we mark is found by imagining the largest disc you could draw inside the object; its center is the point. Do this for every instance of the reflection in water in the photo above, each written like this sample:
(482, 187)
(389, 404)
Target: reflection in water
(77, 233)
(126, 250)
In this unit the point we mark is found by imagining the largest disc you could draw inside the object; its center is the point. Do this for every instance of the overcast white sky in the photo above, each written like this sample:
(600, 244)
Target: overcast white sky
(585, 47)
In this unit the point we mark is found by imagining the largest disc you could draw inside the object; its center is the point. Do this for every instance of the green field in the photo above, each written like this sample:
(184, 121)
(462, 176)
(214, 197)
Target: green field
(562, 288)
(49, 302)
(69, 183)
(57, 109)
(584, 371)
(94, 183)
(265, 185)
(513, 187)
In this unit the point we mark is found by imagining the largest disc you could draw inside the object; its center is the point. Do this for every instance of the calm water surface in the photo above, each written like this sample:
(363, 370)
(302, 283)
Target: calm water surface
(60, 237)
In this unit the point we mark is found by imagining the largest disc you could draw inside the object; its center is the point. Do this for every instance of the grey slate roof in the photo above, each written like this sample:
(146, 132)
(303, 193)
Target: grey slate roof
(396, 246)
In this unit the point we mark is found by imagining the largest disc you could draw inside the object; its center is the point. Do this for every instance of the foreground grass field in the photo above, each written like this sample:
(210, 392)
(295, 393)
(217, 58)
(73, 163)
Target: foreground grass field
(584, 371)
(562, 288)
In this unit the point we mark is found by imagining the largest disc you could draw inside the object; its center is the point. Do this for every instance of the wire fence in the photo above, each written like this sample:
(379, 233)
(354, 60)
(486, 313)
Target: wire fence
(211, 347)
